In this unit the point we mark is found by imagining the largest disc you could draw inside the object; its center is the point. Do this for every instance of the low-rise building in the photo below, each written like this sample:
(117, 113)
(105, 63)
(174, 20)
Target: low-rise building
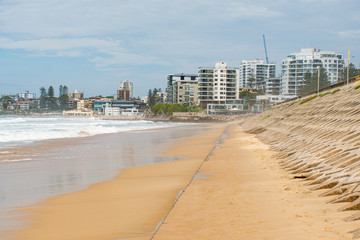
(13, 106)
(274, 99)
(117, 111)
(239, 106)
(85, 104)
(72, 103)
(78, 113)
(26, 95)
(23, 105)
(99, 106)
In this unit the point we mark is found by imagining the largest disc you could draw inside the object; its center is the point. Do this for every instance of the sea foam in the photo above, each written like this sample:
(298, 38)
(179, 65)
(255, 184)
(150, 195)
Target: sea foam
(18, 130)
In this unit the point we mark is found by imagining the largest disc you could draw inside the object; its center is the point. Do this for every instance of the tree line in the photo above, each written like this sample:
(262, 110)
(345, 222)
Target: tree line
(310, 83)
(49, 101)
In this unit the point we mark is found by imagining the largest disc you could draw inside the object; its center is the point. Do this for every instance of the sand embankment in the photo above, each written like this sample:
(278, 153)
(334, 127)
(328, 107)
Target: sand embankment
(128, 207)
(246, 195)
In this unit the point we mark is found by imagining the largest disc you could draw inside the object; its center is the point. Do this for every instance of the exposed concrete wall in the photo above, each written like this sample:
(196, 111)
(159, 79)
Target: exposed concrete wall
(318, 141)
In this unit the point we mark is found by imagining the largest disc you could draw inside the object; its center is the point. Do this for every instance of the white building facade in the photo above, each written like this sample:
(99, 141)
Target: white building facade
(294, 67)
(256, 69)
(128, 86)
(217, 85)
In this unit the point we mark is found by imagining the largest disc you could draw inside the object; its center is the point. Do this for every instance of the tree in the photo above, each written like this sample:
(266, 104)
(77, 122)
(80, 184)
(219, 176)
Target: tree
(310, 83)
(51, 99)
(259, 82)
(63, 96)
(153, 98)
(149, 98)
(353, 72)
(5, 100)
(247, 94)
(43, 98)
(251, 82)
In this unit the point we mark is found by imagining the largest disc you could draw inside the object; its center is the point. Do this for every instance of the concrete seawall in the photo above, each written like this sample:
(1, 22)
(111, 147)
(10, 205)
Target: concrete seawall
(318, 142)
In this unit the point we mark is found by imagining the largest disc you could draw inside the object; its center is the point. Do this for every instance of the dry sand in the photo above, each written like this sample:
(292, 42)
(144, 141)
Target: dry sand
(240, 193)
(247, 196)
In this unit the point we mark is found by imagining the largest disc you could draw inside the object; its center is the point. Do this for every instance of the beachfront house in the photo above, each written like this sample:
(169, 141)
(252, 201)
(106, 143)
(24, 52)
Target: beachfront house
(118, 108)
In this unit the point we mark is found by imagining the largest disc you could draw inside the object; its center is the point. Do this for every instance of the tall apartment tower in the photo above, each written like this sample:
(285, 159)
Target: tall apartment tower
(182, 88)
(128, 86)
(258, 70)
(217, 85)
(295, 66)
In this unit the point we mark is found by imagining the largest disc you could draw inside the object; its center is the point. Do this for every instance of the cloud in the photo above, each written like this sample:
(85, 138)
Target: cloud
(349, 33)
(46, 44)
(115, 33)
(57, 18)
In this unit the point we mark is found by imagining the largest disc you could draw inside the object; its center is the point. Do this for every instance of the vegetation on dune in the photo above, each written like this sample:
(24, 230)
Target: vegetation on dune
(357, 87)
(335, 91)
(168, 109)
(324, 94)
(308, 99)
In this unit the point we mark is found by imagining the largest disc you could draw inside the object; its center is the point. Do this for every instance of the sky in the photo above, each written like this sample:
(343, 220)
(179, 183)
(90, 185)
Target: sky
(93, 45)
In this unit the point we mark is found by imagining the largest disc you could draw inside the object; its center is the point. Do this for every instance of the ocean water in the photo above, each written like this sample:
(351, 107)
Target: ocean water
(45, 157)
(15, 131)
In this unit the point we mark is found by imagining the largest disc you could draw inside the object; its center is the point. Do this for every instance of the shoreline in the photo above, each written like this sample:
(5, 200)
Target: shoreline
(153, 188)
(239, 192)
(182, 117)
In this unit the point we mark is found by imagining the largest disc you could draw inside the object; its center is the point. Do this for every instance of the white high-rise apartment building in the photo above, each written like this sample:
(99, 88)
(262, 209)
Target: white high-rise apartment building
(128, 86)
(297, 64)
(217, 85)
(258, 70)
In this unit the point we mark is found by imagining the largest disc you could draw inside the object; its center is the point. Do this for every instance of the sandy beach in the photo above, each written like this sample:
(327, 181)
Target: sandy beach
(130, 206)
(240, 192)
(247, 196)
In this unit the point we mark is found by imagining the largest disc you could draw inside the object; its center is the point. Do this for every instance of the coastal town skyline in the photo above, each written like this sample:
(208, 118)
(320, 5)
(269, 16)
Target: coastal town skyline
(97, 46)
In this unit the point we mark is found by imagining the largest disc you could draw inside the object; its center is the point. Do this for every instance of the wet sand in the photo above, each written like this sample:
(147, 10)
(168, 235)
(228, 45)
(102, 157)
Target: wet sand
(61, 166)
(128, 207)
(240, 193)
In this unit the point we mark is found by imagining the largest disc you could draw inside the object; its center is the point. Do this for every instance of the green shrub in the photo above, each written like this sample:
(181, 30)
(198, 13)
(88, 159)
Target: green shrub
(324, 94)
(168, 108)
(335, 91)
(358, 86)
(308, 99)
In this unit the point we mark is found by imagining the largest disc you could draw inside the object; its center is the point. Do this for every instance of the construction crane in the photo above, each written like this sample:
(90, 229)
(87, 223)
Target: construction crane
(267, 59)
